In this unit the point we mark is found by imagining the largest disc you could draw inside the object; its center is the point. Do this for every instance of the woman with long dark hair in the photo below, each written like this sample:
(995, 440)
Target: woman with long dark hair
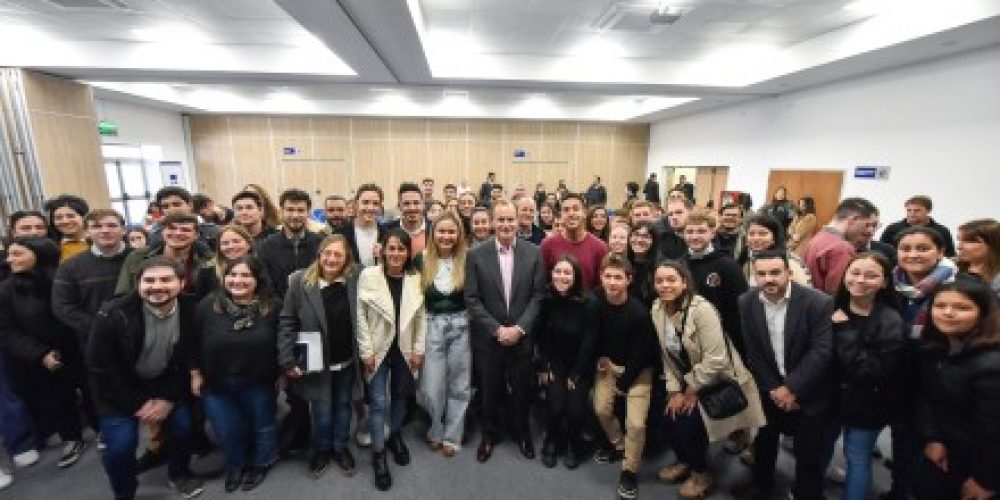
(642, 255)
(323, 298)
(695, 354)
(922, 269)
(392, 327)
(979, 251)
(597, 222)
(780, 208)
(45, 360)
(868, 337)
(234, 368)
(959, 411)
(765, 233)
(566, 330)
(803, 226)
(66, 226)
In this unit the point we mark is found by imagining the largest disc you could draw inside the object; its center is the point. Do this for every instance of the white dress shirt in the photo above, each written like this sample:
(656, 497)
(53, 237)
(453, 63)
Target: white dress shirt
(774, 314)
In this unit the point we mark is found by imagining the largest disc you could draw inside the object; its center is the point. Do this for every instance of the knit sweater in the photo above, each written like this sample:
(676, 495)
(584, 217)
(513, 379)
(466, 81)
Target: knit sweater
(588, 252)
(81, 285)
(827, 257)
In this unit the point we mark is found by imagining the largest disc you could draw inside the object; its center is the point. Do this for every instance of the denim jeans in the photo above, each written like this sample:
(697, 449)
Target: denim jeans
(331, 418)
(236, 406)
(445, 376)
(389, 388)
(17, 429)
(858, 446)
(120, 434)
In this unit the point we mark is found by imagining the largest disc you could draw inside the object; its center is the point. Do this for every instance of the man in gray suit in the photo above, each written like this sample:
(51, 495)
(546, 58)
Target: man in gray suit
(788, 333)
(504, 283)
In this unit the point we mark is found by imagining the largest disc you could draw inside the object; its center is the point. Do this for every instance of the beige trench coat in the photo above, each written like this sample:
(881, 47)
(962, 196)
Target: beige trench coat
(377, 316)
(706, 349)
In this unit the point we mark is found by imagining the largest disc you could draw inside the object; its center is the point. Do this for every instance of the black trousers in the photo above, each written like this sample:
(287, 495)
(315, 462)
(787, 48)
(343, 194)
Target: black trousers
(566, 413)
(505, 378)
(932, 483)
(50, 398)
(809, 433)
(689, 438)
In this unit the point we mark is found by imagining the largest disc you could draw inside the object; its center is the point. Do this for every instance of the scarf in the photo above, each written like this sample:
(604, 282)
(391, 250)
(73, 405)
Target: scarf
(241, 314)
(917, 294)
(943, 272)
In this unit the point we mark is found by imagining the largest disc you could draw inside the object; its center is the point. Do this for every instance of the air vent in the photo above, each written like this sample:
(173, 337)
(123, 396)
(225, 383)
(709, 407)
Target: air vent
(89, 4)
(627, 17)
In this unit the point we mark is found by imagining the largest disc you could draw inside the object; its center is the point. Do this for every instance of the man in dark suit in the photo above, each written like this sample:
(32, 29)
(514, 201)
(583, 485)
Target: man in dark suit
(789, 343)
(504, 284)
(486, 190)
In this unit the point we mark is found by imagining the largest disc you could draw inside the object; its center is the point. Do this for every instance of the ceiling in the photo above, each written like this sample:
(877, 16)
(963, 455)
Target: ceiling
(531, 59)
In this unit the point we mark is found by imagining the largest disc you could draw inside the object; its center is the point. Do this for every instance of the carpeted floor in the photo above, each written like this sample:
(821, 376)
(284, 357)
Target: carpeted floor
(430, 476)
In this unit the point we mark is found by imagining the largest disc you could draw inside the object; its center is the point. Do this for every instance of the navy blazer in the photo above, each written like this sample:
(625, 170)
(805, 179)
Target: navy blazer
(808, 347)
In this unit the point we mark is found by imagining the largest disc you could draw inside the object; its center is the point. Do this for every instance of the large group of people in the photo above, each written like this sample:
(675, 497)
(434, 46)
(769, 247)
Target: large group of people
(648, 325)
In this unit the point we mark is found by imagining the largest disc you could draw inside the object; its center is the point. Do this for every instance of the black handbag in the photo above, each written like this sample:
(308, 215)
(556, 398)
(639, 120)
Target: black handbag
(722, 399)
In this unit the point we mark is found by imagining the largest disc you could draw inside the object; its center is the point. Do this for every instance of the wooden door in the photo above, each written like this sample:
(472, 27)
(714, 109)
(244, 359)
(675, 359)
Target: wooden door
(708, 183)
(822, 185)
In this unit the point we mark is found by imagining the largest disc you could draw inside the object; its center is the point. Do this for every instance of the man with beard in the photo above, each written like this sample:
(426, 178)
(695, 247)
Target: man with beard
(412, 220)
(335, 207)
(139, 374)
(788, 337)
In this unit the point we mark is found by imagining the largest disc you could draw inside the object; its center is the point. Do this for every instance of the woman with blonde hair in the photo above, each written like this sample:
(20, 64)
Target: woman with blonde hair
(446, 375)
(322, 298)
(232, 243)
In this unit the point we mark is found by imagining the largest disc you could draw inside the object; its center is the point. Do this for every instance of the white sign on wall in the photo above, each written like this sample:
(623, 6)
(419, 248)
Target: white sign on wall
(172, 173)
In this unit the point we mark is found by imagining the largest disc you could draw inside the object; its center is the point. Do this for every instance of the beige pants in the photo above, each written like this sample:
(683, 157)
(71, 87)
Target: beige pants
(636, 408)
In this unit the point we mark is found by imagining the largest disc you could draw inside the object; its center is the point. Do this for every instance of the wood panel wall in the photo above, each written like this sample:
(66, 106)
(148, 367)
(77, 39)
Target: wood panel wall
(64, 127)
(336, 154)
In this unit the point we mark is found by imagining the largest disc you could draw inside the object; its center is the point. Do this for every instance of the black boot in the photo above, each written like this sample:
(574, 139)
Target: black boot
(383, 480)
(400, 453)
(574, 453)
(549, 452)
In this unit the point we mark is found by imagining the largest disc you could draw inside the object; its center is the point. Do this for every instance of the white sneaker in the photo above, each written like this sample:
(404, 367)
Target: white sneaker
(5, 479)
(26, 459)
(362, 435)
(836, 474)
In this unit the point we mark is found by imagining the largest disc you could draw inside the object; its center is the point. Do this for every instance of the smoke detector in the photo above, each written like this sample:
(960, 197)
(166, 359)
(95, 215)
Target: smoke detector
(664, 15)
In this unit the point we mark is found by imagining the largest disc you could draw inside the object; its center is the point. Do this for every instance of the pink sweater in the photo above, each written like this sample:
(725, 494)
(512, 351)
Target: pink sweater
(827, 256)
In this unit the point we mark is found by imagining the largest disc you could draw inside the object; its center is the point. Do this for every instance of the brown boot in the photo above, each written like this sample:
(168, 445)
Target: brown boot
(697, 486)
(674, 473)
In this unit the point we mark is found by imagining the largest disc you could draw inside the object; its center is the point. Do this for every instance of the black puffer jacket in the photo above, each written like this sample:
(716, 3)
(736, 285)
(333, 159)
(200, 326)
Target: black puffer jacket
(960, 407)
(866, 363)
(115, 344)
(28, 329)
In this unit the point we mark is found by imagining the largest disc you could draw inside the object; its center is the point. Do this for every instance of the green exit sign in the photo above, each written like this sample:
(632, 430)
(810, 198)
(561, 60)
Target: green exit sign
(107, 128)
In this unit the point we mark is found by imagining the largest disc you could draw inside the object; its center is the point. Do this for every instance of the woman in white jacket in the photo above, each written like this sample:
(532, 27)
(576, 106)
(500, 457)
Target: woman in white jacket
(391, 330)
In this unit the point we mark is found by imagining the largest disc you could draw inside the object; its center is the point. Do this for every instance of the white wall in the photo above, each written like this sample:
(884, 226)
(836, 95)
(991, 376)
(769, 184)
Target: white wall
(936, 124)
(145, 125)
